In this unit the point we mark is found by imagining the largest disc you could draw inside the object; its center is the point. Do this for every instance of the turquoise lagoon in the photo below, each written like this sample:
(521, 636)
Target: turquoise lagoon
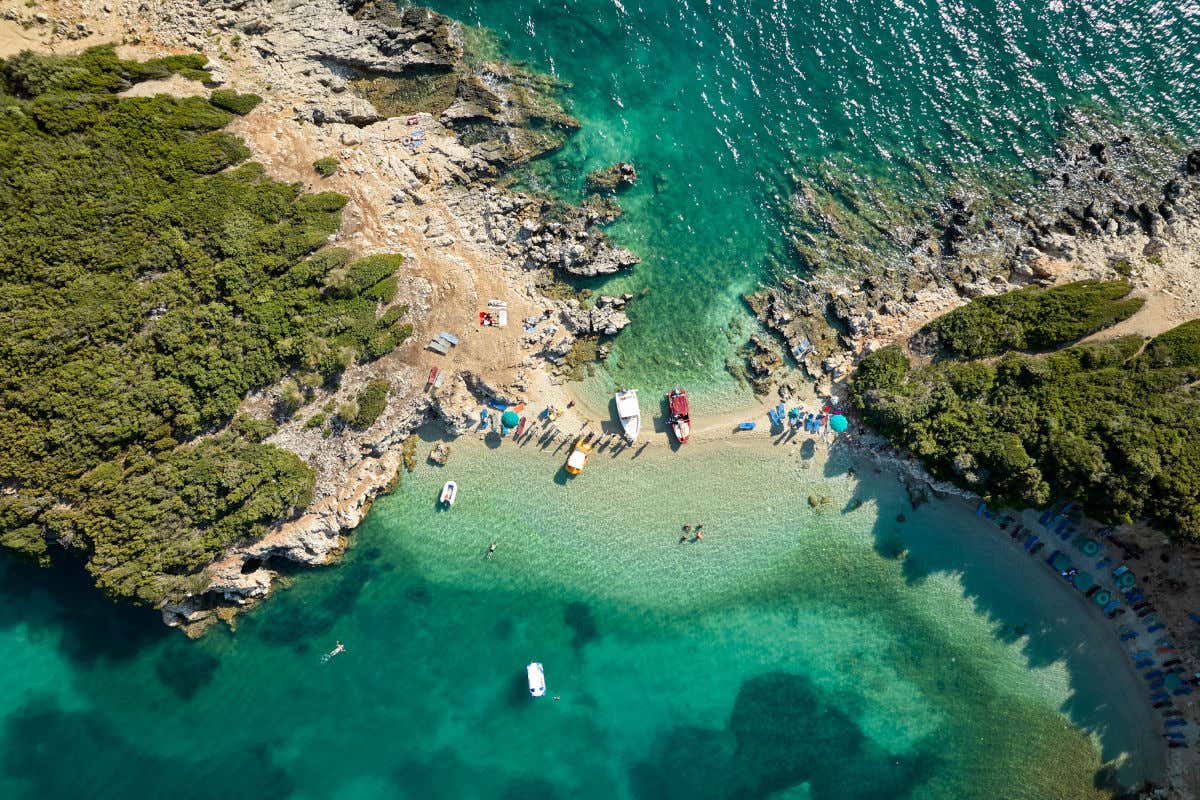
(793, 653)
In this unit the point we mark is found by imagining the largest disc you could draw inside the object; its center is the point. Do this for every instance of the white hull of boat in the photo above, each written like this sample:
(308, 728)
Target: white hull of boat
(629, 413)
(449, 494)
(537, 679)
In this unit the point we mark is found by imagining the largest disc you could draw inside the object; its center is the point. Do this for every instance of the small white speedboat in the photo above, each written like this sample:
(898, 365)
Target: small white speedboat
(629, 413)
(449, 494)
(537, 679)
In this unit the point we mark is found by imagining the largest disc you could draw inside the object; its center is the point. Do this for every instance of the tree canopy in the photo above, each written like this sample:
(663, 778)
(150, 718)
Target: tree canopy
(1114, 425)
(149, 280)
(1034, 318)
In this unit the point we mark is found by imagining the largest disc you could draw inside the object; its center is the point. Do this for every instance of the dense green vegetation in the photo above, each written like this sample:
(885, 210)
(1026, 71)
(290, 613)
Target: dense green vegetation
(1034, 319)
(371, 401)
(148, 281)
(1113, 425)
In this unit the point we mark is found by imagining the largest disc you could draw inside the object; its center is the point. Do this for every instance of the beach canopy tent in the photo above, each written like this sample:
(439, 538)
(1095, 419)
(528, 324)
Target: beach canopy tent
(510, 419)
(1172, 681)
(1090, 547)
(838, 423)
(1083, 581)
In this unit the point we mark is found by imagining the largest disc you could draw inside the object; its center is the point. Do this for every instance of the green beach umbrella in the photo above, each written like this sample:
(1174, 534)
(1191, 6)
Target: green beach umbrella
(1089, 547)
(1102, 597)
(1126, 580)
(838, 423)
(510, 419)
(1172, 681)
(1083, 581)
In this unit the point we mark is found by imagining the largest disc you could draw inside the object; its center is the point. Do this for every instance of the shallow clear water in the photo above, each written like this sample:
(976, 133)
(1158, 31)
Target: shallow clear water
(791, 653)
(790, 647)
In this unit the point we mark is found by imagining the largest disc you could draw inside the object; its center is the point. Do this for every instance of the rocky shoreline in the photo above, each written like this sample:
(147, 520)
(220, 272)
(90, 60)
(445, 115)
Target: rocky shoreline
(1108, 204)
(351, 81)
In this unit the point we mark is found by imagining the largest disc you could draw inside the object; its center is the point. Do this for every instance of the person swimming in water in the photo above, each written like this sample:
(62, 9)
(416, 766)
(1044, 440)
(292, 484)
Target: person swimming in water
(341, 648)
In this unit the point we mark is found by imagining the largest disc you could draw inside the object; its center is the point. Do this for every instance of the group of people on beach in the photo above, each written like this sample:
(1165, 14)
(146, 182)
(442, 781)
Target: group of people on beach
(687, 529)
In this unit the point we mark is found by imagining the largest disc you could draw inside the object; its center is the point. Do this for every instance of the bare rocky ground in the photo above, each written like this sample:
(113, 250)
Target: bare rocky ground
(420, 174)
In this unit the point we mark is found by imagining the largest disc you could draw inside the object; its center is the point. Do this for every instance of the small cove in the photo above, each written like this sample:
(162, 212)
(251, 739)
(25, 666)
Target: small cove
(792, 652)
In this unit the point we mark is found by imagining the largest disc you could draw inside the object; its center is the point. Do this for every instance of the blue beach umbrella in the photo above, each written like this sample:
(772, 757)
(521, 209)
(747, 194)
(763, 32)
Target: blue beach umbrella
(838, 423)
(510, 419)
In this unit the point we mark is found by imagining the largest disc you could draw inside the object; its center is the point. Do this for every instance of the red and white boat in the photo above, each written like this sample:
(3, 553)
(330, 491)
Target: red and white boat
(677, 408)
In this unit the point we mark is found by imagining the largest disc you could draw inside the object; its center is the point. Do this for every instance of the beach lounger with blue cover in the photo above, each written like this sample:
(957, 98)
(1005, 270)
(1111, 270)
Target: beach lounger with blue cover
(453, 340)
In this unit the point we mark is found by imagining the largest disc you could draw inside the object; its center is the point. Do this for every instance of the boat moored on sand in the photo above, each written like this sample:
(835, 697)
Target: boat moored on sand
(629, 413)
(579, 456)
(681, 420)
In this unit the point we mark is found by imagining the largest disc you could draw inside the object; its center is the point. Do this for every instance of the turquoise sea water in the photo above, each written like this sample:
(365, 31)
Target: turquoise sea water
(830, 654)
(792, 653)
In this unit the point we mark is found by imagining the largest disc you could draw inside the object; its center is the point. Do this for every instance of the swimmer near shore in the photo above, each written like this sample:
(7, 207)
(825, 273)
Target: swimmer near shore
(340, 648)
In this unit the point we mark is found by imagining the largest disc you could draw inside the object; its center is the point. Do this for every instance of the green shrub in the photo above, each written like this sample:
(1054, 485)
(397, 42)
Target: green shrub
(385, 290)
(326, 166)
(1178, 347)
(386, 340)
(290, 397)
(240, 104)
(1034, 318)
(370, 403)
(393, 314)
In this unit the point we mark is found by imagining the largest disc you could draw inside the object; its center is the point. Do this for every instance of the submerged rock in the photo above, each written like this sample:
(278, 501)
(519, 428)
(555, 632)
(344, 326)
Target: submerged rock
(618, 177)
(440, 454)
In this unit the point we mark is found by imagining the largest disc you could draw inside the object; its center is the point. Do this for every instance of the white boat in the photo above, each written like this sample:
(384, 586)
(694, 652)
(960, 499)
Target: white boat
(537, 679)
(449, 493)
(630, 414)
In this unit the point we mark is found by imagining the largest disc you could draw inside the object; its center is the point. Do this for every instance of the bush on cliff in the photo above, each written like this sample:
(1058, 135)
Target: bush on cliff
(1034, 318)
(325, 166)
(371, 402)
(148, 281)
(1102, 423)
(240, 104)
